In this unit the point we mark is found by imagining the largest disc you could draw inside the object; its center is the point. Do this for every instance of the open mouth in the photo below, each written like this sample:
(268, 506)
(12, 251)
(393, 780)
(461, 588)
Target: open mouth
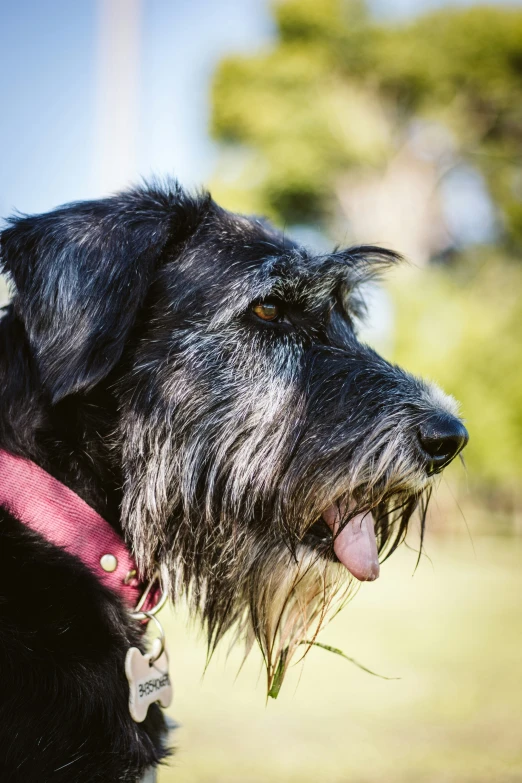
(355, 545)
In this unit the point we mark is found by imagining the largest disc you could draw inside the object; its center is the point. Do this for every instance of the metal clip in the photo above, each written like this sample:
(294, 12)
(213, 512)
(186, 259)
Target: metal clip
(159, 626)
(138, 613)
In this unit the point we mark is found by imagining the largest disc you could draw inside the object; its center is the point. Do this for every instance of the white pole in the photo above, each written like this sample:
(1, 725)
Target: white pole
(117, 93)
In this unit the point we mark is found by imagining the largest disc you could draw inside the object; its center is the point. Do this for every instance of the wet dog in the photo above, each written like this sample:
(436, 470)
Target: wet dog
(196, 378)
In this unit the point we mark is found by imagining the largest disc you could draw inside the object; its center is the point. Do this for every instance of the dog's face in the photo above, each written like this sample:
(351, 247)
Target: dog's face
(267, 453)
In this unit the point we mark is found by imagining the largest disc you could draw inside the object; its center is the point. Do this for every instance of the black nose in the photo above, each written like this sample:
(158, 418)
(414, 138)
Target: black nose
(442, 437)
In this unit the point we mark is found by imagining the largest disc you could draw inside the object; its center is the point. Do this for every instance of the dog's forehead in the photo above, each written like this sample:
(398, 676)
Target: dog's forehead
(244, 243)
(256, 260)
(233, 260)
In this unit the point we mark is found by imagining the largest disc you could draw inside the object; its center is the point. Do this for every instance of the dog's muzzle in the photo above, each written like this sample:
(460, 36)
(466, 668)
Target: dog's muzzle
(442, 438)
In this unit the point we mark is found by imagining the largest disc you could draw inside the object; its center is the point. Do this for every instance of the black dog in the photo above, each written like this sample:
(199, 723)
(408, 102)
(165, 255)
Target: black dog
(196, 378)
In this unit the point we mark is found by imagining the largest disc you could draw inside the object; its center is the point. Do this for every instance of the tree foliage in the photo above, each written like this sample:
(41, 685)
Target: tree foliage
(310, 107)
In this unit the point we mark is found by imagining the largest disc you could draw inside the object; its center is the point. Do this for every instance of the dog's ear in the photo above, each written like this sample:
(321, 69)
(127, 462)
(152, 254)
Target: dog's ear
(81, 274)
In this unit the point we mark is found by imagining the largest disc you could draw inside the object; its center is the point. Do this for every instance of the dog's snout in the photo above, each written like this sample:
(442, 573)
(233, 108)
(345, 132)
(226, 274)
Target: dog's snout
(442, 437)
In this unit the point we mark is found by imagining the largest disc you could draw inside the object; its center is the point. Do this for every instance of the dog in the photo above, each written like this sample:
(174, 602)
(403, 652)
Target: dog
(193, 380)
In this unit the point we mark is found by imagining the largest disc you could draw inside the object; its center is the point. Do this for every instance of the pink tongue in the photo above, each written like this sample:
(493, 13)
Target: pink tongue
(355, 546)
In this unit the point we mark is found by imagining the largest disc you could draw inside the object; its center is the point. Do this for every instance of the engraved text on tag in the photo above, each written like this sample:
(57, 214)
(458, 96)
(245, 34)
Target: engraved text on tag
(149, 680)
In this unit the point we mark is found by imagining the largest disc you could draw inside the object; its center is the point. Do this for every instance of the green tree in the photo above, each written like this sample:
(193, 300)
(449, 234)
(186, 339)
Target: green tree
(337, 89)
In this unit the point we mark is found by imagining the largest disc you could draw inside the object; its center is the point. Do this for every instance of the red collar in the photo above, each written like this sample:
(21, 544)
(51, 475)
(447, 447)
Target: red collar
(48, 507)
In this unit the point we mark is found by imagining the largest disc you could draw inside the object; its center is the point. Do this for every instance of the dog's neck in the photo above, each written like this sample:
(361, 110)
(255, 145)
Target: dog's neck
(61, 439)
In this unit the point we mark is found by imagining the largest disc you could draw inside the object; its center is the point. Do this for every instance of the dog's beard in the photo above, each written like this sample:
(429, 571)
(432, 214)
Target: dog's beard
(288, 600)
(242, 557)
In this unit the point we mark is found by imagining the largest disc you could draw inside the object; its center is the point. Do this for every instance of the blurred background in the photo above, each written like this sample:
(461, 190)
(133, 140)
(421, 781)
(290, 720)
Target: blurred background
(396, 122)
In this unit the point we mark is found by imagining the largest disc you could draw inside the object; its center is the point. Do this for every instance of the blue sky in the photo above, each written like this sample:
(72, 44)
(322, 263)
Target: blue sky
(49, 68)
(51, 77)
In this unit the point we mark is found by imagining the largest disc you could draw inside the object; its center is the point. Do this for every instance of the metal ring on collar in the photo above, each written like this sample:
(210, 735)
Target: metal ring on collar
(138, 613)
(161, 637)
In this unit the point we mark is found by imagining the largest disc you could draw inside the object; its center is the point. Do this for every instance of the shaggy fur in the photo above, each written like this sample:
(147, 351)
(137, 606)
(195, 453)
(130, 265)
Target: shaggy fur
(134, 369)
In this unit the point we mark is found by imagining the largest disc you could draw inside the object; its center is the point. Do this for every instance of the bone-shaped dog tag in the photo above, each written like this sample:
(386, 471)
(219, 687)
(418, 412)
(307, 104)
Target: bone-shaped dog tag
(149, 681)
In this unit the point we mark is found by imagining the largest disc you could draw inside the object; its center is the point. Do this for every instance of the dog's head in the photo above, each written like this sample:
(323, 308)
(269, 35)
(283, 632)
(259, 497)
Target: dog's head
(266, 452)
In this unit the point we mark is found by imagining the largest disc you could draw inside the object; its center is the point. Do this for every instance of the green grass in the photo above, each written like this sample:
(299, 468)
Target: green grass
(453, 634)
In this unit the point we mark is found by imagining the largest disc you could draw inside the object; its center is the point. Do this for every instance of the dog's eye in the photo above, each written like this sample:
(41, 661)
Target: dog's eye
(267, 311)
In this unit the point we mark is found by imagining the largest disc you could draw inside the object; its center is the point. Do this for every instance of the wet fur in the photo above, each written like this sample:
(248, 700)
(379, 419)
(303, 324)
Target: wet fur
(133, 369)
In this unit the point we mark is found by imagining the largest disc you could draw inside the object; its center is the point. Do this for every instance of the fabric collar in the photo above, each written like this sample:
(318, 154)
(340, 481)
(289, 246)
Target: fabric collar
(48, 507)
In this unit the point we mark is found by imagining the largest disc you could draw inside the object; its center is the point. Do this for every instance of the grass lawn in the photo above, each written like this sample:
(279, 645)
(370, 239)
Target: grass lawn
(453, 634)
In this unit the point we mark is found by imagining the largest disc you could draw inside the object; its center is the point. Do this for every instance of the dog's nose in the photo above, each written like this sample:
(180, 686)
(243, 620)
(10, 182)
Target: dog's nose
(442, 437)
